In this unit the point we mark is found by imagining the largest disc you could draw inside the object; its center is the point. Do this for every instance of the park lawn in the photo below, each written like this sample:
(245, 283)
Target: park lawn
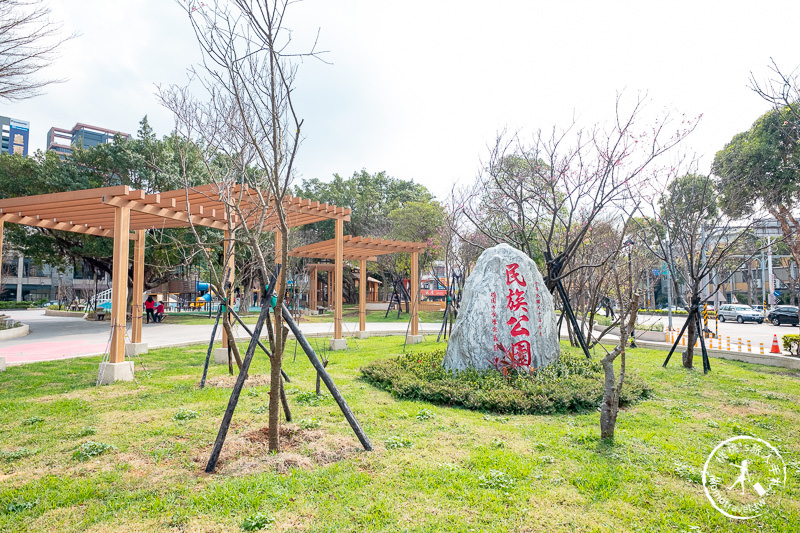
(349, 315)
(443, 469)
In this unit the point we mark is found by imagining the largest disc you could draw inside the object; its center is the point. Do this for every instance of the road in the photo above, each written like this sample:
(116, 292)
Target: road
(756, 333)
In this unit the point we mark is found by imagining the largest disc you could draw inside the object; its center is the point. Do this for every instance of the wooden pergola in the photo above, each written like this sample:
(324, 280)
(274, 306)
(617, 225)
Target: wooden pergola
(361, 249)
(125, 214)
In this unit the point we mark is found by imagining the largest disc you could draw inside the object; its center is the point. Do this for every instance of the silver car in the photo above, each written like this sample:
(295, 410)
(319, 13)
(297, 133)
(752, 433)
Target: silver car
(740, 313)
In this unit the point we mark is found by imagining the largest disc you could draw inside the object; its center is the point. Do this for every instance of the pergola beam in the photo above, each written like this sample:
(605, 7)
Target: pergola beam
(63, 226)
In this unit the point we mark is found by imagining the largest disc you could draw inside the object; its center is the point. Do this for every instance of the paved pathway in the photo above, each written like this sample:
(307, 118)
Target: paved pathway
(63, 338)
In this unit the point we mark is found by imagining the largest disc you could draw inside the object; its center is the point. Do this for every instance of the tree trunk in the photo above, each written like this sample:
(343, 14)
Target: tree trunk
(691, 338)
(610, 406)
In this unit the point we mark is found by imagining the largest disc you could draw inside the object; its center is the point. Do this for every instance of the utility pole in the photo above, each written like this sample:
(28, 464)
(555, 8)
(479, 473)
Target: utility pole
(771, 274)
(669, 283)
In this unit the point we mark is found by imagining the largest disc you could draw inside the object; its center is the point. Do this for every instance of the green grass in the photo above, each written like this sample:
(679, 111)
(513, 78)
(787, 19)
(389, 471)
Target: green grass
(349, 315)
(75, 457)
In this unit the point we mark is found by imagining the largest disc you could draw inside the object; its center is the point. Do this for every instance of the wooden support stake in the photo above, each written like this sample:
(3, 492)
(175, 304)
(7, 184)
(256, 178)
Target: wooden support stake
(237, 387)
(326, 378)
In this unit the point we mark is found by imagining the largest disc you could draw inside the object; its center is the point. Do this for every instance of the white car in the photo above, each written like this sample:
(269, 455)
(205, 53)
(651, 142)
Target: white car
(740, 313)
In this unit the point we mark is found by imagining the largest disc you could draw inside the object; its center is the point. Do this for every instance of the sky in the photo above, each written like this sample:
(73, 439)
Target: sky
(421, 89)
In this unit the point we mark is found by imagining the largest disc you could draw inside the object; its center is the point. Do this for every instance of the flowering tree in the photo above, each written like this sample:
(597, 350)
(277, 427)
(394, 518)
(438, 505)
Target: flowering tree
(544, 196)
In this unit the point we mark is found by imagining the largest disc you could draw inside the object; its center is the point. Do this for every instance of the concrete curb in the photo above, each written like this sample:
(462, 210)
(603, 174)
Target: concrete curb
(13, 333)
(64, 314)
(767, 359)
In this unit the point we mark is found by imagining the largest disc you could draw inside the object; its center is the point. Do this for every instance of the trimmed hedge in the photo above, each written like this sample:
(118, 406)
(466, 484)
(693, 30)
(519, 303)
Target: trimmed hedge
(16, 305)
(572, 384)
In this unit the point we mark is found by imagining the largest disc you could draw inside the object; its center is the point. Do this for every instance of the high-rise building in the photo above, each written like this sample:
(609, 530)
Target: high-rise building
(14, 136)
(61, 140)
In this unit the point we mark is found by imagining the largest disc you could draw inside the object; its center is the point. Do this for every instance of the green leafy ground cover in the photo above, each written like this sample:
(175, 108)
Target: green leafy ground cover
(571, 384)
(130, 456)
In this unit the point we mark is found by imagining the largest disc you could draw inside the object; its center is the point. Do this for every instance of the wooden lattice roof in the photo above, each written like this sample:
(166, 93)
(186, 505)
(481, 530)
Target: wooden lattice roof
(357, 248)
(91, 211)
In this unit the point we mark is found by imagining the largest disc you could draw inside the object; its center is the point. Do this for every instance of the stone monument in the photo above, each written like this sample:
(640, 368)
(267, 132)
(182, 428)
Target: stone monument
(506, 319)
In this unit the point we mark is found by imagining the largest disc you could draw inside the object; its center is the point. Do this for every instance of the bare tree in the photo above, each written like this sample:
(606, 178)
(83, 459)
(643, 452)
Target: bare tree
(29, 42)
(543, 197)
(250, 132)
(685, 228)
(623, 282)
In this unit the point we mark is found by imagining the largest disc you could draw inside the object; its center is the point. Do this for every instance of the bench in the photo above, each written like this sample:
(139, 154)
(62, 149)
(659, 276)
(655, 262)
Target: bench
(100, 315)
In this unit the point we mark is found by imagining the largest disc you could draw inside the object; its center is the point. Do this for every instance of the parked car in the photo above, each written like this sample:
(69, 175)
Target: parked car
(740, 313)
(783, 314)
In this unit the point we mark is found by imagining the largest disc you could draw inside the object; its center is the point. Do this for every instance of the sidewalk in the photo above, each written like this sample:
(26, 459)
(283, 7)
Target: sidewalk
(53, 338)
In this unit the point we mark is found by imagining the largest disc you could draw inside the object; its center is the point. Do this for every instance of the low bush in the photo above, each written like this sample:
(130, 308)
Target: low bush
(16, 305)
(571, 384)
(791, 343)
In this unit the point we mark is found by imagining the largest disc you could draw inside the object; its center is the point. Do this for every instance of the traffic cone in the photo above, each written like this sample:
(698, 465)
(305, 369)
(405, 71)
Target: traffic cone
(775, 348)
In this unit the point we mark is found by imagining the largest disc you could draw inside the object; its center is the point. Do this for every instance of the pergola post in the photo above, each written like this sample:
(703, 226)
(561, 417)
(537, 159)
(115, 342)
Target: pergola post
(137, 346)
(2, 223)
(414, 337)
(337, 342)
(363, 289)
(2, 359)
(312, 288)
(117, 368)
(228, 265)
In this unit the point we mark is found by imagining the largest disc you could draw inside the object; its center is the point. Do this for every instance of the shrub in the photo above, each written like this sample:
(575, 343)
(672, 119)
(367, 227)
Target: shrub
(32, 421)
(185, 414)
(257, 522)
(16, 305)
(791, 343)
(310, 423)
(425, 414)
(13, 456)
(571, 384)
(311, 398)
(398, 442)
(90, 449)
(496, 479)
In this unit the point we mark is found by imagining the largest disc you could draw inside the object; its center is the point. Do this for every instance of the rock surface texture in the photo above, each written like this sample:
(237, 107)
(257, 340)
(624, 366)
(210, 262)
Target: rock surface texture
(506, 320)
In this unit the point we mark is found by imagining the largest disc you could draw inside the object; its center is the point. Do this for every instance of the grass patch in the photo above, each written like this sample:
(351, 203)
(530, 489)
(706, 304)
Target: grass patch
(572, 384)
(464, 470)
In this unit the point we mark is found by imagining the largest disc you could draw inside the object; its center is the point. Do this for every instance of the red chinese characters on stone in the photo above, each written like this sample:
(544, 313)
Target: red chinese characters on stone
(512, 276)
(516, 300)
(516, 326)
(518, 355)
(521, 352)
